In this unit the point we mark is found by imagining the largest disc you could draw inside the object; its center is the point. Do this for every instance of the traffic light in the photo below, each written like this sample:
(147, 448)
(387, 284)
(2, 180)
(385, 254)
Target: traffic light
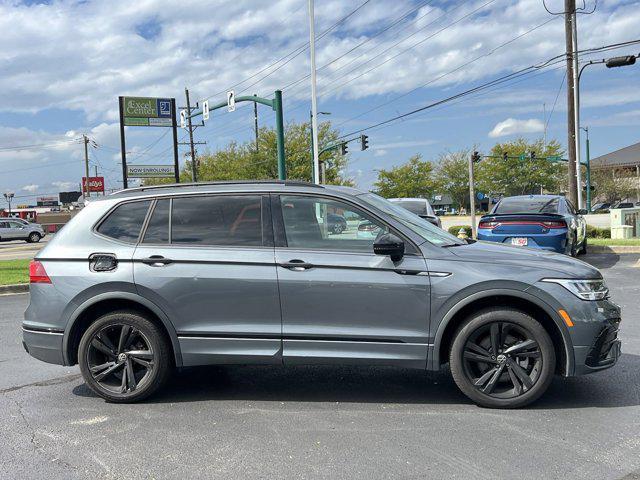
(364, 142)
(532, 155)
(344, 148)
(505, 156)
(475, 157)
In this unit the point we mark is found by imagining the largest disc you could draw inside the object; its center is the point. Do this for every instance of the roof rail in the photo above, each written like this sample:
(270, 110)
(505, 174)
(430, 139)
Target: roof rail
(293, 183)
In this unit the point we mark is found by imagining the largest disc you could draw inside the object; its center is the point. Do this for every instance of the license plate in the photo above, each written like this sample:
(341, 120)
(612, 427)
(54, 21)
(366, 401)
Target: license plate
(520, 242)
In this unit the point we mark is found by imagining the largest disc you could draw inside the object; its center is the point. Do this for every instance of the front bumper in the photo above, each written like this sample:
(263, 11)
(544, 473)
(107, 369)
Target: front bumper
(43, 345)
(602, 354)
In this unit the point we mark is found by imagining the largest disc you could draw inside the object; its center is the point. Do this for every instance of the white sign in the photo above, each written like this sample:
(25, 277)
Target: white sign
(160, 122)
(205, 110)
(183, 119)
(150, 171)
(231, 101)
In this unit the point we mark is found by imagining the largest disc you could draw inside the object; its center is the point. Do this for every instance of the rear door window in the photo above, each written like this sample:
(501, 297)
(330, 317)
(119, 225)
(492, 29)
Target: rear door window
(233, 220)
(125, 222)
(158, 227)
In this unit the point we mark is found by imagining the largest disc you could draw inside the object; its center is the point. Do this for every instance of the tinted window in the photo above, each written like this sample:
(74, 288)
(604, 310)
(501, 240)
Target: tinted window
(528, 205)
(158, 226)
(4, 225)
(415, 206)
(125, 222)
(326, 224)
(217, 220)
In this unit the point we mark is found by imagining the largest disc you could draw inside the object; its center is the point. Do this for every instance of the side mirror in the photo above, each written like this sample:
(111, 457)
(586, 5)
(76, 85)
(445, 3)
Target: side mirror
(390, 245)
(582, 211)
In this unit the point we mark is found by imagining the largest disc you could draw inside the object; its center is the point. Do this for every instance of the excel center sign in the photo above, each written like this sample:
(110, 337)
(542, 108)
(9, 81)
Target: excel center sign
(147, 112)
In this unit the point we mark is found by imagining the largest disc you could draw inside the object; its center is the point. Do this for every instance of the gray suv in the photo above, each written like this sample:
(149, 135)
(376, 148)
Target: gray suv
(153, 278)
(18, 229)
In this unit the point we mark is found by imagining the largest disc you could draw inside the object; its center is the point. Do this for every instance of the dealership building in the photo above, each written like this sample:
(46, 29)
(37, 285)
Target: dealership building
(623, 163)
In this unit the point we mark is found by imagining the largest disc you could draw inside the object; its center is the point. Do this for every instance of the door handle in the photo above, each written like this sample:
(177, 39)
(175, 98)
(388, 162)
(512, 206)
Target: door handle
(156, 261)
(296, 265)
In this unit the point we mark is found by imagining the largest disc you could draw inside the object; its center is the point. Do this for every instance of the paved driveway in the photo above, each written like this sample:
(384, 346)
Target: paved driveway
(320, 422)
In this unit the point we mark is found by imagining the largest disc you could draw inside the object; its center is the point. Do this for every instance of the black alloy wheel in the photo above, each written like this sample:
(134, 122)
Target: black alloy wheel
(124, 357)
(502, 358)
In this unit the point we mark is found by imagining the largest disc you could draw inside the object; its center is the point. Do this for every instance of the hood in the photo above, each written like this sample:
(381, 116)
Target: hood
(556, 264)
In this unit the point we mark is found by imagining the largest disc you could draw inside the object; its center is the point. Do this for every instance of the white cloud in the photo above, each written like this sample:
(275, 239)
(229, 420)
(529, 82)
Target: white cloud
(31, 188)
(64, 185)
(379, 152)
(511, 126)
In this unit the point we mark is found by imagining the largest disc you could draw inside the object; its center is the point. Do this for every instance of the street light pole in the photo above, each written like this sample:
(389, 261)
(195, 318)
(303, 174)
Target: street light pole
(314, 102)
(8, 196)
(315, 147)
(588, 177)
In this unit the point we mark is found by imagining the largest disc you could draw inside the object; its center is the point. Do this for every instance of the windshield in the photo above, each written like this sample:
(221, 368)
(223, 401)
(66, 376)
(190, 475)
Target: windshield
(419, 207)
(528, 205)
(422, 227)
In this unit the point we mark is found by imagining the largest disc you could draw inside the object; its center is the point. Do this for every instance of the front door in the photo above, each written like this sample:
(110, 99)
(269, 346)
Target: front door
(208, 261)
(341, 302)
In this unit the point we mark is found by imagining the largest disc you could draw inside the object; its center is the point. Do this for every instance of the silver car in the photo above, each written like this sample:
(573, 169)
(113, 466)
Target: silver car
(18, 229)
(419, 206)
(170, 276)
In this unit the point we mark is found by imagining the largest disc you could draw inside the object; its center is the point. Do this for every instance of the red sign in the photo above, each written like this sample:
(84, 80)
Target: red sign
(96, 184)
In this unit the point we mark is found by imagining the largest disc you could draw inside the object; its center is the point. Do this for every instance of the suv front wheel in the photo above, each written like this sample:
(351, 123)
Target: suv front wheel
(124, 357)
(502, 358)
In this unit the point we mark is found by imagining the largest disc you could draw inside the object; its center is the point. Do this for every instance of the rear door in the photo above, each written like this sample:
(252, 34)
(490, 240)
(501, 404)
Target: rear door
(340, 301)
(208, 262)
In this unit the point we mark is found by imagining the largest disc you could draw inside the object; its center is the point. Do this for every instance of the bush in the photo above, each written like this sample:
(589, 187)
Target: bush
(597, 232)
(456, 228)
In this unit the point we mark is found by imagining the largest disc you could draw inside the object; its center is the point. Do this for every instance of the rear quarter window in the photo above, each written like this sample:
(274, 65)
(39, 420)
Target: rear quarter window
(125, 221)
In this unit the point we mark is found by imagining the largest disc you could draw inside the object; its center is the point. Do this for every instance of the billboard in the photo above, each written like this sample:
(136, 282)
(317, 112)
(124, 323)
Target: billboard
(150, 171)
(47, 202)
(96, 184)
(69, 197)
(147, 112)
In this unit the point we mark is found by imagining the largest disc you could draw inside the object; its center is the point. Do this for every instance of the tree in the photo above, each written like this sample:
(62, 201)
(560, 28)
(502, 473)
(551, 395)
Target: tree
(413, 179)
(613, 185)
(452, 176)
(241, 161)
(518, 177)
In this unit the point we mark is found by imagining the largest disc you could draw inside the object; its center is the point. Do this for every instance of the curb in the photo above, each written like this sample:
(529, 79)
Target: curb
(614, 249)
(17, 288)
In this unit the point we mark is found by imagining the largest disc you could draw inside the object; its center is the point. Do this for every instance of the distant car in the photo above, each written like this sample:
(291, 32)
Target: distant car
(336, 223)
(419, 206)
(601, 208)
(548, 222)
(624, 205)
(18, 229)
(367, 230)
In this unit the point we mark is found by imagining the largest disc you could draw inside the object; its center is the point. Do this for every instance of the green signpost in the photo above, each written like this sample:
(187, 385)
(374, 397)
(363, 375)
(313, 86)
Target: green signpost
(275, 104)
(147, 112)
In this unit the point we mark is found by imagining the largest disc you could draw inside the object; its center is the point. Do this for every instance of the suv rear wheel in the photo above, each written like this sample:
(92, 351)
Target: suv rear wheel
(502, 358)
(124, 357)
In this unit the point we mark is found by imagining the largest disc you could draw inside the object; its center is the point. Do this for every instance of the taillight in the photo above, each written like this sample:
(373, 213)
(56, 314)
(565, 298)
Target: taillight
(555, 224)
(488, 225)
(37, 273)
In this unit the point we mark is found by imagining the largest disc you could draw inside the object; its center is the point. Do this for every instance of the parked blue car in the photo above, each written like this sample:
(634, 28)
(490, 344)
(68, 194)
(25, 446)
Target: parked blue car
(548, 222)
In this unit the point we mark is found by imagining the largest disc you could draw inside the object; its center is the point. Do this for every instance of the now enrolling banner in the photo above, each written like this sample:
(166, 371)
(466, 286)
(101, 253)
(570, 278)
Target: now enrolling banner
(150, 171)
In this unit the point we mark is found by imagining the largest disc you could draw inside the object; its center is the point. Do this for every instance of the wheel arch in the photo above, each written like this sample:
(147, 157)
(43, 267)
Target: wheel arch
(518, 299)
(104, 303)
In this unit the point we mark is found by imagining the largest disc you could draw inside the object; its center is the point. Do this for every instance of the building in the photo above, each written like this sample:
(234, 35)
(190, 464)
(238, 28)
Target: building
(623, 163)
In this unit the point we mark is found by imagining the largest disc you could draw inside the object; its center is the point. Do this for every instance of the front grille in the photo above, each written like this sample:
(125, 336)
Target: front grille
(602, 353)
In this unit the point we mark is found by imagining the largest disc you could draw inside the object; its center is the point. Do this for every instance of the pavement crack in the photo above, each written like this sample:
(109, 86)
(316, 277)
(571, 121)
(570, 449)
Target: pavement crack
(43, 383)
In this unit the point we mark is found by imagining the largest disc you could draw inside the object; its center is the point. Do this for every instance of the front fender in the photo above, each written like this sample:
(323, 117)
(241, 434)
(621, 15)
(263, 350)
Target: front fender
(466, 297)
(121, 295)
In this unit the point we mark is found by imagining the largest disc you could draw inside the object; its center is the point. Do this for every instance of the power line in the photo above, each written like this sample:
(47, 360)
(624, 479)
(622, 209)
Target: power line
(38, 146)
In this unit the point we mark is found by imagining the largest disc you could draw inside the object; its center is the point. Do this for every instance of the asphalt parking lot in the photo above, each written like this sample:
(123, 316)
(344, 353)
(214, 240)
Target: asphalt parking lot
(320, 422)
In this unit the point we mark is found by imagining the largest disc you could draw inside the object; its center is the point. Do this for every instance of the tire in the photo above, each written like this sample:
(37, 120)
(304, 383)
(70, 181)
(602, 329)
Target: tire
(574, 246)
(107, 361)
(34, 237)
(509, 388)
(583, 250)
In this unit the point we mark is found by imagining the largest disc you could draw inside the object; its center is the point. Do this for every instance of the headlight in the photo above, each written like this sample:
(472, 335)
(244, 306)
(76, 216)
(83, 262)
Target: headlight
(583, 289)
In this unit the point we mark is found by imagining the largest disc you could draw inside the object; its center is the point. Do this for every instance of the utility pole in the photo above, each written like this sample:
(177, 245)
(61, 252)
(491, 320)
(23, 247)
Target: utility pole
(194, 174)
(86, 166)
(255, 122)
(569, 10)
(314, 101)
(588, 177)
(576, 101)
(473, 158)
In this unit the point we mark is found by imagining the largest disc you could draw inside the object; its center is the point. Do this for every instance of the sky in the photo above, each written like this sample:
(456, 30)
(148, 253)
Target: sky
(64, 64)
